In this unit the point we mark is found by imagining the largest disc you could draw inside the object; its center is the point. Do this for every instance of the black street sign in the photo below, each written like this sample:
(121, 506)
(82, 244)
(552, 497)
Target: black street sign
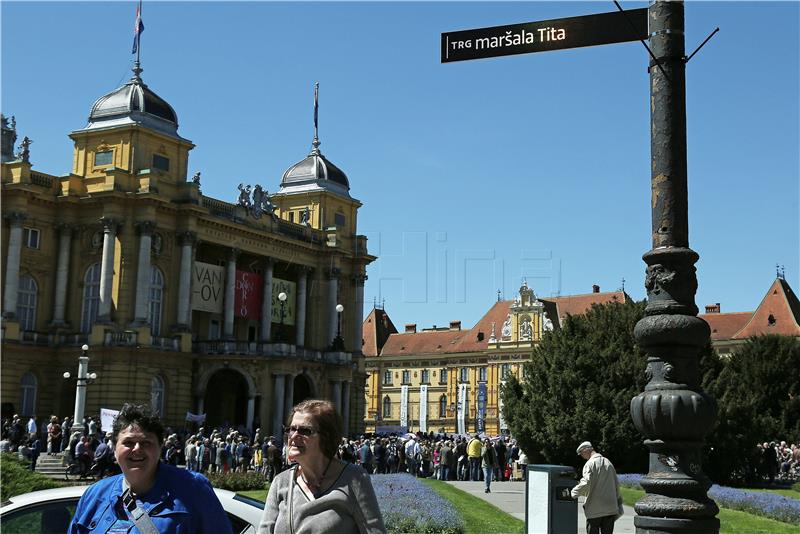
(546, 35)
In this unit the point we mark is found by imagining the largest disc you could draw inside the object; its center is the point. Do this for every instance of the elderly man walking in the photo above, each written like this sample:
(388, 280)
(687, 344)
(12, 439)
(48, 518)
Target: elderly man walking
(600, 485)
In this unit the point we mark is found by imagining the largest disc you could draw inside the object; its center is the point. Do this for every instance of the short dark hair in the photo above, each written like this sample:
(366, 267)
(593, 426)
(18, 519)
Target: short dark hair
(327, 420)
(137, 415)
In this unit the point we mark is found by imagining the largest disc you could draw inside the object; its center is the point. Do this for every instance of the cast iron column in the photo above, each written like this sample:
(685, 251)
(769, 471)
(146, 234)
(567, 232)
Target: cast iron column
(673, 413)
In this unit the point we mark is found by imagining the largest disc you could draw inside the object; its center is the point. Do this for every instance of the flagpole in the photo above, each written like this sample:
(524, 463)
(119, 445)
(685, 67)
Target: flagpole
(139, 33)
(316, 142)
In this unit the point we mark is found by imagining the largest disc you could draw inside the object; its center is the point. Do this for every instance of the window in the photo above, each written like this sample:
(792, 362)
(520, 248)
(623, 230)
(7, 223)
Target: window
(291, 216)
(30, 236)
(91, 297)
(505, 370)
(406, 377)
(482, 374)
(426, 378)
(160, 162)
(387, 378)
(387, 407)
(213, 329)
(106, 157)
(464, 375)
(26, 303)
(27, 397)
(338, 219)
(156, 299)
(157, 395)
(443, 406)
(443, 375)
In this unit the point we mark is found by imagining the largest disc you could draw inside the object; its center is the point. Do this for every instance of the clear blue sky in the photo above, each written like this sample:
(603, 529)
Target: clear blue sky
(473, 175)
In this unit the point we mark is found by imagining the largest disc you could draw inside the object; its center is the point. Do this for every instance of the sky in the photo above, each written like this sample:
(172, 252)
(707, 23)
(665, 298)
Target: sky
(474, 176)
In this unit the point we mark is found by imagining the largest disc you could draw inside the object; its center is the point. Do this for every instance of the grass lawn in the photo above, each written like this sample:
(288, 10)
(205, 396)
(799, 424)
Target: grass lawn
(259, 495)
(788, 492)
(480, 516)
(731, 521)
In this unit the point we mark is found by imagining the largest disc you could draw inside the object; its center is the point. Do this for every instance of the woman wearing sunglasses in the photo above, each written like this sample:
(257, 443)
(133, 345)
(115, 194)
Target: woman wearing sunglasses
(320, 494)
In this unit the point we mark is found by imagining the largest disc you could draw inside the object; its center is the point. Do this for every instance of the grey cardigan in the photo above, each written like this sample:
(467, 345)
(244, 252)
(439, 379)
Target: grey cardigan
(348, 506)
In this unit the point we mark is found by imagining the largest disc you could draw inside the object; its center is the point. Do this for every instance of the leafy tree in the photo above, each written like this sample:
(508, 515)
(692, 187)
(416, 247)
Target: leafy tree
(758, 392)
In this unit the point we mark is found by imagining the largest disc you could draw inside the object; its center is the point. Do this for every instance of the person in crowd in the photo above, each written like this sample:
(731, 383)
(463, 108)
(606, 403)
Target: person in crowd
(413, 453)
(489, 463)
(523, 464)
(35, 446)
(150, 495)
(103, 456)
(600, 485)
(320, 494)
(474, 453)
(366, 457)
(770, 460)
(445, 460)
(501, 450)
(379, 455)
(84, 454)
(66, 431)
(191, 454)
(392, 455)
(32, 427)
(53, 436)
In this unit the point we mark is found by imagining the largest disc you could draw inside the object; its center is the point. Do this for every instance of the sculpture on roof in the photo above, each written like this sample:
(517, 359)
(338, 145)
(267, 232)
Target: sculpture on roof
(244, 196)
(24, 153)
(260, 202)
(305, 217)
(525, 330)
(506, 330)
(548, 324)
(196, 178)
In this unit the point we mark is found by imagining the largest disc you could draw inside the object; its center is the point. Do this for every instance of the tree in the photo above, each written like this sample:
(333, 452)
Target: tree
(758, 392)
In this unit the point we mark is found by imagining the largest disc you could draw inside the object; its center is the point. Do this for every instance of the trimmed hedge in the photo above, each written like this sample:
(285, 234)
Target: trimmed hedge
(250, 480)
(16, 478)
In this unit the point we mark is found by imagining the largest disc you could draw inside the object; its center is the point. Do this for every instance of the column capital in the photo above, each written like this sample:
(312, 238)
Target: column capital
(333, 272)
(15, 218)
(186, 238)
(267, 261)
(110, 224)
(359, 279)
(64, 229)
(233, 253)
(145, 227)
(305, 269)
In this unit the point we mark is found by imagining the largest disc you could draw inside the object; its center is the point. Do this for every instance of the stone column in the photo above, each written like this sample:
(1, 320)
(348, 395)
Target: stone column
(358, 323)
(266, 302)
(251, 409)
(107, 267)
(336, 394)
(186, 240)
(277, 404)
(11, 289)
(143, 274)
(230, 293)
(62, 274)
(333, 297)
(288, 402)
(346, 407)
(300, 316)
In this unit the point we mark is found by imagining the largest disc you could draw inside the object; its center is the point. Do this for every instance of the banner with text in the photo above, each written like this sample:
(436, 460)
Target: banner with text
(290, 288)
(461, 416)
(107, 419)
(503, 425)
(404, 406)
(208, 287)
(423, 408)
(247, 299)
(480, 420)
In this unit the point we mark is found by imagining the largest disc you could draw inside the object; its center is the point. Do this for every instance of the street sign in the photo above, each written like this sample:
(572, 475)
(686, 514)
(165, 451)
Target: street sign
(546, 35)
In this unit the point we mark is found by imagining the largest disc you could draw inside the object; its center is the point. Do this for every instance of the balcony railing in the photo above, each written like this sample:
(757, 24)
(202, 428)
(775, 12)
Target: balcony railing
(212, 347)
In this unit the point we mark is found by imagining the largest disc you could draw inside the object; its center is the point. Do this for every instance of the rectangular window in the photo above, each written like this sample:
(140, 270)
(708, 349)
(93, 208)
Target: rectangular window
(426, 378)
(106, 157)
(213, 329)
(160, 162)
(443, 375)
(406, 377)
(482, 374)
(464, 375)
(338, 219)
(387, 378)
(291, 216)
(505, 370)
(30, 236)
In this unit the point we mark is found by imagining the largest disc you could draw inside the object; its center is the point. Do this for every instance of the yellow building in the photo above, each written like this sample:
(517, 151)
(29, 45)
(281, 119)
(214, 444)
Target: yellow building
(188, 302)
(448, 379)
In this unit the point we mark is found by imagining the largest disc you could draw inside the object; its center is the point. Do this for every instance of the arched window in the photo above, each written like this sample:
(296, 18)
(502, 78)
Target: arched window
(443, 406)
(156, 299)
(387, 407)
(91, 297)
(157, 389)
(28, 391)
(26, 303)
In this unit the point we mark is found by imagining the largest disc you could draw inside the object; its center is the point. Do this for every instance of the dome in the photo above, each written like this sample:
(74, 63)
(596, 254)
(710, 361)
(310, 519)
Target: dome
(313, 173)
(133, 103)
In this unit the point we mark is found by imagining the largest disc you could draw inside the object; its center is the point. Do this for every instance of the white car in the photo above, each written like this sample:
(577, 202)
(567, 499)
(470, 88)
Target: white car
(50, 511)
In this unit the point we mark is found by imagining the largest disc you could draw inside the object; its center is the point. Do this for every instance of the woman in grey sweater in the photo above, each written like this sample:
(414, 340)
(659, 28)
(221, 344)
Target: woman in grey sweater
(320, 494)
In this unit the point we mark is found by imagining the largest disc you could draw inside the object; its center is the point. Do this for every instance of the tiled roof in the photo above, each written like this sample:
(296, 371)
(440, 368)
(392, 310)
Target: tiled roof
(778, 313)
(725, 325)
(579, 304)
(377, 327)
(426, 342)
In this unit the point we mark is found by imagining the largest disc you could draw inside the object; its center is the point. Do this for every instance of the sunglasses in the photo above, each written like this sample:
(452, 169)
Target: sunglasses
(305, 431)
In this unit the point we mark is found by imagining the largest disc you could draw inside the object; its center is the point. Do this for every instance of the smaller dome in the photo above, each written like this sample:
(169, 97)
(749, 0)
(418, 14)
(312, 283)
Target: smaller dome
(313, 173)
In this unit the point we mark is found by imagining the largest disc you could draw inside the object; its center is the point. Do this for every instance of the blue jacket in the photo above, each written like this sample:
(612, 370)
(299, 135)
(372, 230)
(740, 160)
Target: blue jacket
(180, 502)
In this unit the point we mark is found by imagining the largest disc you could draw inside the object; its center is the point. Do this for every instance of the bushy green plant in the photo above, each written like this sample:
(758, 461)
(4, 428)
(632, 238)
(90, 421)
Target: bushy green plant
(16, 478)
(250, 480)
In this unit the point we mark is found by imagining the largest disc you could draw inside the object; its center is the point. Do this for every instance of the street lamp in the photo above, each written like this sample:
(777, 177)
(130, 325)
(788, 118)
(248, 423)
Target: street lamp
(282, 299)
(83, 379)
(338, 342)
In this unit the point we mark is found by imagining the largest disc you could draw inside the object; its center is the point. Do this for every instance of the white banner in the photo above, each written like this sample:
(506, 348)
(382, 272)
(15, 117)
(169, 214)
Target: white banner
(195, 418)
(503, 425)
(107, 419)
(423, 408)
(208, 287)
(462, 408)
(404, 406)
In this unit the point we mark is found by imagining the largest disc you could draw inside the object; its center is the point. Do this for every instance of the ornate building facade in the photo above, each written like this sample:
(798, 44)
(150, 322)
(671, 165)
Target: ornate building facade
(194, 304)
(448, 379)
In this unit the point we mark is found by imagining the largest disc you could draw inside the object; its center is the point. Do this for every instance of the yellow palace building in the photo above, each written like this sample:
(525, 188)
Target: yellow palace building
(447, 379)
(236, 310)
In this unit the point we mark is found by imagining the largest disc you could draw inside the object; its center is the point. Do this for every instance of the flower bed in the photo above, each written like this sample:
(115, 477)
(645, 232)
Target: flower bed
(765, 504)
(409, 506)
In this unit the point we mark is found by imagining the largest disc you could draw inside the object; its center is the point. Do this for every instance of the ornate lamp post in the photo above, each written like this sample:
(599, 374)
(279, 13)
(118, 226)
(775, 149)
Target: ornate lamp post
(84, 378)
(338, 342)
(673, 413)
(282, 299)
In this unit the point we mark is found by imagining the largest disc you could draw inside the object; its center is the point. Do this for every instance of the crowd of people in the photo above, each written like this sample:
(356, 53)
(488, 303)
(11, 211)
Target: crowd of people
(778, 461)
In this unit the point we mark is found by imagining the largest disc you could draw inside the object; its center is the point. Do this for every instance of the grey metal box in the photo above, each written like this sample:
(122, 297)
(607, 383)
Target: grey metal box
(549, 508)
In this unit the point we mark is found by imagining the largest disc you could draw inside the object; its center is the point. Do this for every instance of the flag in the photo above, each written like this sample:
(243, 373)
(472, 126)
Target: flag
(138, 28)
(316, 105)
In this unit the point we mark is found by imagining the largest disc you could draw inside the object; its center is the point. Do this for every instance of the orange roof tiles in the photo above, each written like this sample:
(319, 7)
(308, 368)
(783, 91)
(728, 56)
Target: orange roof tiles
(377, 327)
(778, 313)
(725, 325)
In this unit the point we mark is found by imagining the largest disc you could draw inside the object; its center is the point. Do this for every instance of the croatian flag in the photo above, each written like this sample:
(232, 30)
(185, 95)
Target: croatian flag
(138, 28)
(316, 104)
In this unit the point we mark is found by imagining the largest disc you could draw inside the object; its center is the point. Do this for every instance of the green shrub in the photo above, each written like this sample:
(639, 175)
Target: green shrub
(16, 478)
(238, 481)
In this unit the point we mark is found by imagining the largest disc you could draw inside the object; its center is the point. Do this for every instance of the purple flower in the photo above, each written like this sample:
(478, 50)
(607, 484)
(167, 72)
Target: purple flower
(409, 505)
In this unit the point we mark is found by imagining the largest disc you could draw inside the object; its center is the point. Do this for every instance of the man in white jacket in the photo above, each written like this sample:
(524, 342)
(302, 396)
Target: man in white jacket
(600, 485)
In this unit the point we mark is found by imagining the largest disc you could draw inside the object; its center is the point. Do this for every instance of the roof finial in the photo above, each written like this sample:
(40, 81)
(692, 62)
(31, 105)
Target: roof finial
(780, 271)
(315, 143)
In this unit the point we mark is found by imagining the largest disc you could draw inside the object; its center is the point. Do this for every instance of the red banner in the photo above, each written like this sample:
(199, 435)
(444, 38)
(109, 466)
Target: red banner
(249, 289)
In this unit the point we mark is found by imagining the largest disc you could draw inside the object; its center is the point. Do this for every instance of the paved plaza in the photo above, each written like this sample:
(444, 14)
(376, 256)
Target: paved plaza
(510, 497)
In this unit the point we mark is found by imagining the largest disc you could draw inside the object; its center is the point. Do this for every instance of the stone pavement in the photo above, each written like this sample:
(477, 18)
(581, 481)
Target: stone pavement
(510, 497)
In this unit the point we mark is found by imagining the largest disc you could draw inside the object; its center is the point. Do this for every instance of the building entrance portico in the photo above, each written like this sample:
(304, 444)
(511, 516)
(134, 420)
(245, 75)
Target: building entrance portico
(227, 396)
